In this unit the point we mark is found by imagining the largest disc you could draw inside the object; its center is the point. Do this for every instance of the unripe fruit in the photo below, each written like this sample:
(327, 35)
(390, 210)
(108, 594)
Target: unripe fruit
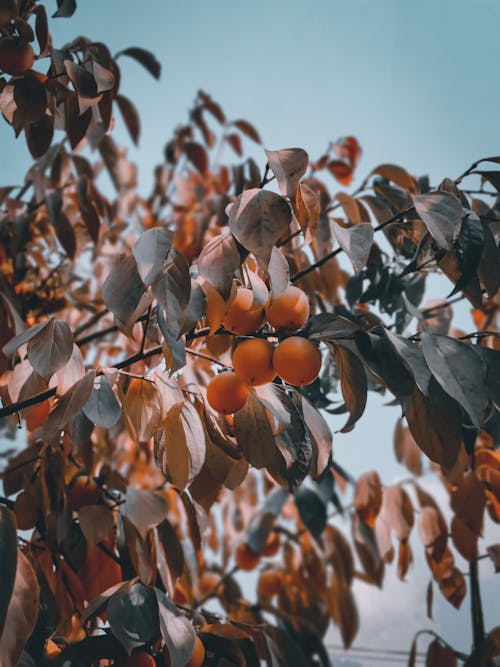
(270, 583)
(289, 311)
(246, 558)
(83, 491)
(15, 56)
(198, 654)
(297, 361)
(240, 318)
(226, 393)
(253, 361)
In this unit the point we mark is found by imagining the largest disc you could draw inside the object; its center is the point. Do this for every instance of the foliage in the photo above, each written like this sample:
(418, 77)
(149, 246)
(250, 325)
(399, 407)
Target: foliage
(141, 500)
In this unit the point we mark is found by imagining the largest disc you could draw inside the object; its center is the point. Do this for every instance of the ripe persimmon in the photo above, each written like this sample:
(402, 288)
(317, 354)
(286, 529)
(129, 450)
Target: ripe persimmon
(246, 558)
(218, 343)
(207, 583)
(240, 318)
(253, 361)
(272, 545)
(16, 56)
(297, 361)
(140, 659)
(26, 510)
(226, 393)
(83, 491)
(270, 583)
(289, 311)
(198, 656)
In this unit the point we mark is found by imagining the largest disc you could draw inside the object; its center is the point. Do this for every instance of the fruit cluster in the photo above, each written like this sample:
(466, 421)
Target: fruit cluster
(257, 361)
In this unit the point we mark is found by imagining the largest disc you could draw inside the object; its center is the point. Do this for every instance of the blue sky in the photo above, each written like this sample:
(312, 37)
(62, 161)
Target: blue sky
(415, 81)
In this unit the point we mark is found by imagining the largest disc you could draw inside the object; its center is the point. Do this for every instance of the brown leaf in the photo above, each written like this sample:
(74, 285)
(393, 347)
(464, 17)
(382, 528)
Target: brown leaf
(321, 437)
(144, 509)
(406, 449)
(142, 56)
(356, 242)
(433, 531)
(71, 402)
(123, 289)
(96, 522)
(429, 598)
(439, 655)
(21, 614)
(368, 497)
(341, 171)
(397, 175)
(197, 155)
(464, 539)
(405, 559)
(50, 349)
(397, 510)
(288, 165)
(218, 261)
(338, 553)
(142, 407)
(8, 560)
(234, 140)
(248, 130)
(254, 434)
(494, 554)
(468, 501)
(130, 117)
(353, 383)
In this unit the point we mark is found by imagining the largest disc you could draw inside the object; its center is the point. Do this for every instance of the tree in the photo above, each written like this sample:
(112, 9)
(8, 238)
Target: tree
(171, 358)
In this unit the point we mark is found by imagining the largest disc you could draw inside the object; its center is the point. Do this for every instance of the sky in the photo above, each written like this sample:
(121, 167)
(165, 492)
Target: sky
(414, 80)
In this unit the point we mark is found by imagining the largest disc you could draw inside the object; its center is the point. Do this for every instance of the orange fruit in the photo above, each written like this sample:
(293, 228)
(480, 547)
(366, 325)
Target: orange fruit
(253, 361)
(16, 56)
(198, 656)
(240, 318)
(140, 659)
(290, 310)
(269, 584)
(83, 491)
(218, 343)
(226, 393)
(297, 361)
(272, 545)
(26, 509)
(51, 649)
(245, 557)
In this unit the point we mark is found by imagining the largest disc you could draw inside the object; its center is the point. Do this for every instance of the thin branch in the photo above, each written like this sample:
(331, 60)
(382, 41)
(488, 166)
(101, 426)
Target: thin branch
(207, 357)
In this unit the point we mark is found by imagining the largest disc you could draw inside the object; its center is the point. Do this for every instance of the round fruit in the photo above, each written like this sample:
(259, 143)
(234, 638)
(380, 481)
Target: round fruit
(16, 56)
(297, 361)
(270, 583)
(253, 361)
(198, 656)
(26, 511)
(218, 343)
(208, 582)
(240, 318)
(290, 310)
(226, 393)
(83, 491)
(141, 659)
(272, 545)
(245, 557)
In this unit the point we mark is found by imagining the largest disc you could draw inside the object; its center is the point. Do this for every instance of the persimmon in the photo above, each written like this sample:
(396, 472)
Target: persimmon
(240, 318)
(83, 491)
(218, 343)
(289, 311)
(246, 558)
(226, 393)
(16, 56)
(51, 649)
(207, 583)
(140, 659)
(297, 361)
(270, 583)
(26, 510)
(253, 361)
(198, 656)
(272, 545)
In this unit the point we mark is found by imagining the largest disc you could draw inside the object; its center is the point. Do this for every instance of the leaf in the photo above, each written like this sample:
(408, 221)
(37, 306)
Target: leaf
(50, 348)
(21, 614)
(433, 531)
(312, 510)
(96, 521)
(356, 242)
(494, 554)
(130, 117)
(442, 214)
(338, 553)
(218, 261)
(406, 449)
(8, 560)
(435, 423)
(102, 406)
(123, 289)
(464, 539)
(39, 136)
(471, 240)
(142, 407)
(278, 271)
(234, 140)
(172, 548)
(439, 655)
(145, 58)
(23, 337)
(254, 434)
(328, 326)
(460, 371)
(248, 130)
(31, 100)
(368, 497)
(60, 222)
(397, 175)
(71, 402)
(65, 9)
(145, 509)
(83, 81)
(71, 372)
(197, 155)
(151, 251)
(413, 359)
(133, 616)
(342, 171)
(41, 26)
(258, 218)
(321, 437)
(87, 208)
(288, 165)
(195, 309)
(468, 501)
(352, 382)
(260, 525)
(177, 632)
(173, 288)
